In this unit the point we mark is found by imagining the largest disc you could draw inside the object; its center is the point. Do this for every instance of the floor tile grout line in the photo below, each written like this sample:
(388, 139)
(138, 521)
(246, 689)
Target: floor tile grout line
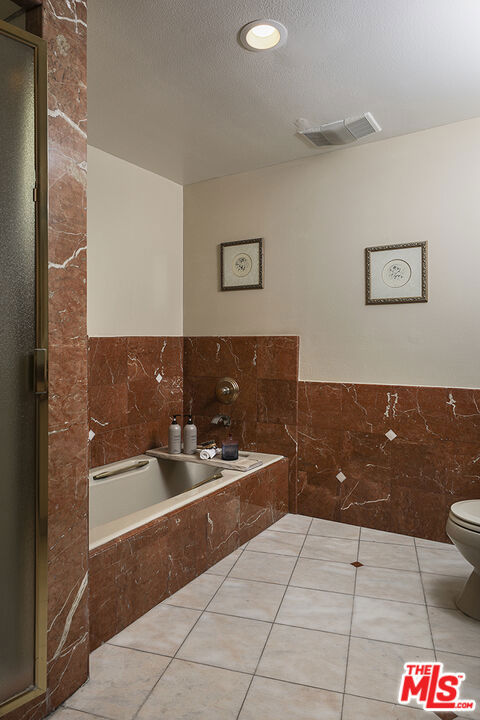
(195, 662)
(128, 647)
(273, 623)
(300, 627)
(443, 575)
(211, 665)
(260, 675)
(270, 622)
(240, 617)
(202, 612)
(342, 562)
(229, 575)
(387, 702)
(269, 677)
(426, 606)
(346, 562)
(351, 625)
(334, 692)
(303, 587)
(272, 528)
(270, 552)
(310, 534)
(178, 649)
(360, 528)
(240, 550)
(85, 712)
(153, 688)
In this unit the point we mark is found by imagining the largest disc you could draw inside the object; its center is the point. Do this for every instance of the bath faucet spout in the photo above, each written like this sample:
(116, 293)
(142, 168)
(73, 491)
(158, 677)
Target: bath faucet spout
(224, 420)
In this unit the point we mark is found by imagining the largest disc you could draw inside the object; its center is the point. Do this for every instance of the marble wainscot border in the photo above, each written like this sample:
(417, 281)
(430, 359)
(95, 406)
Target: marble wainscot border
(139, 568)
(388, 457)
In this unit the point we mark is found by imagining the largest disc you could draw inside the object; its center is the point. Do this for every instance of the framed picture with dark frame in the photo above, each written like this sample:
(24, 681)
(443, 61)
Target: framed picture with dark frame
(241, 265)
(396, 274)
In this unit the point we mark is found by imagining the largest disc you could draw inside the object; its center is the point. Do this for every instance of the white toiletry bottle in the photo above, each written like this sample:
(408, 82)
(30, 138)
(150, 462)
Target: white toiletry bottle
(174, 437)
(190, 437)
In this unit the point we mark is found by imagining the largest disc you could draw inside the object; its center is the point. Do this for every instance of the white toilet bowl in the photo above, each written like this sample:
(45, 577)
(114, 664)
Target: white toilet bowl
(463, 529)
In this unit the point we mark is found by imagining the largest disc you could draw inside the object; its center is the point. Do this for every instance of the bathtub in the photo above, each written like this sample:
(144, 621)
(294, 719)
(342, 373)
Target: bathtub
(157, 526)
(128, 494)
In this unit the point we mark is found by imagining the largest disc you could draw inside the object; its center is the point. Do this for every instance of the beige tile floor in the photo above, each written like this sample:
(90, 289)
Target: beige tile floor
(287, 629)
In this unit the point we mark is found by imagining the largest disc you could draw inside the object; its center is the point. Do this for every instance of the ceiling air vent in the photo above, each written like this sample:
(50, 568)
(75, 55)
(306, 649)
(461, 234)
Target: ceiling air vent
(340, 132)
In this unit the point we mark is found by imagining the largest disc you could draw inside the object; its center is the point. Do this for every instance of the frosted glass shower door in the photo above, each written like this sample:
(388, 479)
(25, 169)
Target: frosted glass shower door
(22, 399)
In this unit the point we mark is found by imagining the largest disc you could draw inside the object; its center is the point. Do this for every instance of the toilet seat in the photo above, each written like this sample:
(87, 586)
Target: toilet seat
(466, 514)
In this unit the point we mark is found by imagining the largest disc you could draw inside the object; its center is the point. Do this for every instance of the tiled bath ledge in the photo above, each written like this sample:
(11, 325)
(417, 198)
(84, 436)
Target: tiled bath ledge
(253, 458)
(134, 572)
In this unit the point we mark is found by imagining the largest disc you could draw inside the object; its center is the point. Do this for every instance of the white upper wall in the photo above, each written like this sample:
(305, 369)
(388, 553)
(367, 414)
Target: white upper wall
(317, 216)
(135, 254)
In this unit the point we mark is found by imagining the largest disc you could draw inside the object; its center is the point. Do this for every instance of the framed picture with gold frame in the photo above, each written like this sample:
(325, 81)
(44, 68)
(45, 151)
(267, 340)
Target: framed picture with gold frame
(396, 274)
(241, 265)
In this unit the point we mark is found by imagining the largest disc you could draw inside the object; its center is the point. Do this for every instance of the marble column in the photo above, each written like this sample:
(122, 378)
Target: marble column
(63, 24)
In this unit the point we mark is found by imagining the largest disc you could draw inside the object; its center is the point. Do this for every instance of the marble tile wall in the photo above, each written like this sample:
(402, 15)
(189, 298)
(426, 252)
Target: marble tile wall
(133, 573)
(387, 457)
(404, 481)
(264, 417)
(63, 24)
(134, 385)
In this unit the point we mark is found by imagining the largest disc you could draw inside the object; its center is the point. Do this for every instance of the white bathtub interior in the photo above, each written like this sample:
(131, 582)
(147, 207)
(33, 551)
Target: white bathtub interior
(125, 500)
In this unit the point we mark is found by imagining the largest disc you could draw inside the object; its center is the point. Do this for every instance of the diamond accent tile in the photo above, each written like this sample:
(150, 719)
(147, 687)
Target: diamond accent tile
(446, 715)
(341, 477)
(391, 435)
(356, 564)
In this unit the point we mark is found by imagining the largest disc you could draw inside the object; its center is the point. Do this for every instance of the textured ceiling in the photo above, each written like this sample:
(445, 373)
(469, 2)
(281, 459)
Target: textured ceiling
(171, 90)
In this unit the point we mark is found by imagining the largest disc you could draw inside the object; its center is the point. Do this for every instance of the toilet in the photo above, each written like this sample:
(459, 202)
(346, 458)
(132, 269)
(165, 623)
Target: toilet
(463, 529)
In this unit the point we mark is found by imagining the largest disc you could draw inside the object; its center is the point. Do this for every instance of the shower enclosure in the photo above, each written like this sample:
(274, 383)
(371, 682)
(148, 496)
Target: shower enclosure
(23, 367)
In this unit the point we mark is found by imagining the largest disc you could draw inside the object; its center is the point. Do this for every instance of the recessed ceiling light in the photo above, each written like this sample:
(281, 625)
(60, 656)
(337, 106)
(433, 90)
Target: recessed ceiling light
(263, 35)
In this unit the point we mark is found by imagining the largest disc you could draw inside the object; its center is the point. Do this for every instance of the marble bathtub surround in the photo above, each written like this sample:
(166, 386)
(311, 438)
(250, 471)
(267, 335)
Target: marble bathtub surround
(135, 385)
(278, 636)
(131, 574)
